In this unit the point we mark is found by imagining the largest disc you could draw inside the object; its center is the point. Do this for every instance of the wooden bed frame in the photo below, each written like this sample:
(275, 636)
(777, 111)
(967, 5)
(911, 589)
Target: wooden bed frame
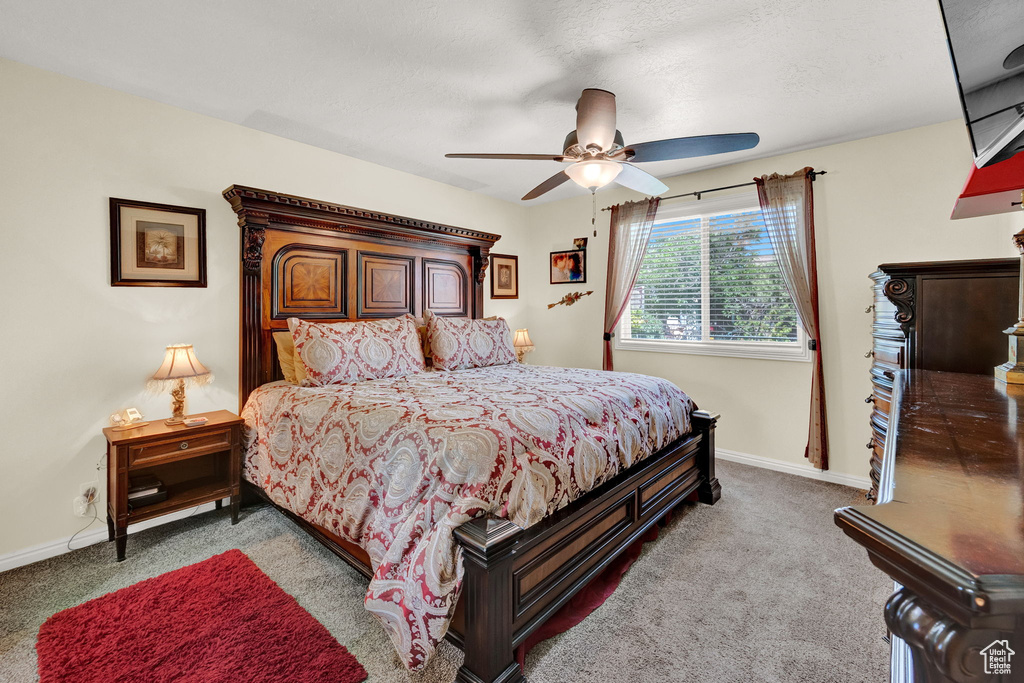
(329, 262)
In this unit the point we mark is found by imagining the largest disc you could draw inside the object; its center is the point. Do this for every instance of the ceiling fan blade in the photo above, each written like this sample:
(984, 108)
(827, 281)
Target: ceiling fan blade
(595, 119)
(635, 179)
(548, 185)
(696, 146)
(534, 157)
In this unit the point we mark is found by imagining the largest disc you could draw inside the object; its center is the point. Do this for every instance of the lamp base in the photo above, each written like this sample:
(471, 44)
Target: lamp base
(177, 404)
(1012, 371)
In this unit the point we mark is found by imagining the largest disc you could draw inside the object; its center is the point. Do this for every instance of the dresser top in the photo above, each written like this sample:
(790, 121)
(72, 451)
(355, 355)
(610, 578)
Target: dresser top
(994, 266)
(952, 487)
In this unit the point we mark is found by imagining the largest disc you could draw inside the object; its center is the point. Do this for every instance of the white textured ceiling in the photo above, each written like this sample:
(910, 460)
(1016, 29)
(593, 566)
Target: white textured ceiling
(401, 83)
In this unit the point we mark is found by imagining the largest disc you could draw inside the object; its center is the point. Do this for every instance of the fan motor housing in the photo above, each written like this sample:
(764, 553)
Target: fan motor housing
(571, 147)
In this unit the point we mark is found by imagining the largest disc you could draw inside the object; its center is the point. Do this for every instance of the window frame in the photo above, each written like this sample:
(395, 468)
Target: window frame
(798, 351)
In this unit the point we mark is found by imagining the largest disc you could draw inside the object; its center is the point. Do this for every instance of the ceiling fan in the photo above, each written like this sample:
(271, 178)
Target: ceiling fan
(597, 154)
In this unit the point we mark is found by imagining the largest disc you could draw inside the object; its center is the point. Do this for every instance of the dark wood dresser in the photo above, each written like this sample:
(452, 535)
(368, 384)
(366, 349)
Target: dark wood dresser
(936, 315)
(948, 527)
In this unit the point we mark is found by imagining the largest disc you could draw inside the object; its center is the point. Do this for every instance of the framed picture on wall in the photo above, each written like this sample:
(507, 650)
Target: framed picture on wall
(568, 266)
(156, 245)
(504, 276)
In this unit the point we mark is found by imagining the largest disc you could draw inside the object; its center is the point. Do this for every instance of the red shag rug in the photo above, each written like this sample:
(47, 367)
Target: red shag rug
(219, 620)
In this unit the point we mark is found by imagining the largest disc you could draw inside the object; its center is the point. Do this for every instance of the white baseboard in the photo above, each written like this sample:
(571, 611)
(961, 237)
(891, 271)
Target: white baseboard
(862, 483)
(45, 551)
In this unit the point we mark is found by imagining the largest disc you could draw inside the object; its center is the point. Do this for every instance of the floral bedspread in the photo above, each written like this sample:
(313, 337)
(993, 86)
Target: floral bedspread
(395, 465)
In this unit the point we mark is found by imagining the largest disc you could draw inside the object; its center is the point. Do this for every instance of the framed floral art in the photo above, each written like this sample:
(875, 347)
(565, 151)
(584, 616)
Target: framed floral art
(504, 276)
(156, 245)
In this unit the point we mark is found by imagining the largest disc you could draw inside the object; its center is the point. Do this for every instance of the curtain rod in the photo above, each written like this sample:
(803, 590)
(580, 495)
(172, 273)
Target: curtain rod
(814, 175)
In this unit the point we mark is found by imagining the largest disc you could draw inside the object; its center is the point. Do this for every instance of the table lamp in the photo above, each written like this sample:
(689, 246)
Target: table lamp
(522, 343)
(180, 366)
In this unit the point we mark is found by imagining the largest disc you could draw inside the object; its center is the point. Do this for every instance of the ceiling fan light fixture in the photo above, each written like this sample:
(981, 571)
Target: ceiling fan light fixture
(594, 174)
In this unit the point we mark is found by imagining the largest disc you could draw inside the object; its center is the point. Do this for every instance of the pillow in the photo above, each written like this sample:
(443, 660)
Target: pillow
(421, 329)
(291, 365)
(459, 343)
(340, 353)
(286, 355)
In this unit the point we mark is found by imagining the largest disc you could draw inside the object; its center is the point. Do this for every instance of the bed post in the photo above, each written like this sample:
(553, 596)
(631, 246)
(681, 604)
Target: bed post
(251, 370)
(480, 263)
(488, 548)
(710, 490)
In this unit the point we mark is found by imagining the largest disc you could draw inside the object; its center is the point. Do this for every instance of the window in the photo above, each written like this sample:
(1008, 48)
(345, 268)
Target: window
(710, 284)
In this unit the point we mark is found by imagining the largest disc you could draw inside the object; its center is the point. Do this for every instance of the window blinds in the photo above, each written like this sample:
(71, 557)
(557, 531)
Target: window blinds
(712, 276)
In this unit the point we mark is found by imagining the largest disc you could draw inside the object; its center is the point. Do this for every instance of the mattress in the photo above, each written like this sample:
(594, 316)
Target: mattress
(395, 465)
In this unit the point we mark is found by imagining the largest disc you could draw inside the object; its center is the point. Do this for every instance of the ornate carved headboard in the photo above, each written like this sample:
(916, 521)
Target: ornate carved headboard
(309, 259)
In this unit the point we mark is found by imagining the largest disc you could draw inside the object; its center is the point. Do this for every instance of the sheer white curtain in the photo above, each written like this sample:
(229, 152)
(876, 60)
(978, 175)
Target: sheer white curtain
(631, 225)
(787, 203)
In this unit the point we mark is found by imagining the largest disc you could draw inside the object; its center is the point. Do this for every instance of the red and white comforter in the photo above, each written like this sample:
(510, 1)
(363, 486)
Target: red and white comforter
(394, 465)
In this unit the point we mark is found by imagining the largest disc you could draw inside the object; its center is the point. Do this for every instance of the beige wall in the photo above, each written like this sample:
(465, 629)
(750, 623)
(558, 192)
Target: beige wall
(885, 199)
(77, 349)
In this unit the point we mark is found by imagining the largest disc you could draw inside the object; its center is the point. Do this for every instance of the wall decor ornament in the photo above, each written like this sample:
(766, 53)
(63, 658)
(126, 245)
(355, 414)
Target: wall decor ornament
(504, 276)
(568, 266)
(571, 298)
(156, 245)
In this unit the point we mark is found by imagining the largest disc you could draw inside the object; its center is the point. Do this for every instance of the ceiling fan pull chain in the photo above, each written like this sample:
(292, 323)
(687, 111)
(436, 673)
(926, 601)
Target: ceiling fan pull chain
(593, 211)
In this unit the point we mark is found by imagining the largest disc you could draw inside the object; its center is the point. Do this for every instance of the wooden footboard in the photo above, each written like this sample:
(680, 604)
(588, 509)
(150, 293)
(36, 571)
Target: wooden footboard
(515, 579)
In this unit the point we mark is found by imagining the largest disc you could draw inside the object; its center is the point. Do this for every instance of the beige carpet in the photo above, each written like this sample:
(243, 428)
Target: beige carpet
(761, 587)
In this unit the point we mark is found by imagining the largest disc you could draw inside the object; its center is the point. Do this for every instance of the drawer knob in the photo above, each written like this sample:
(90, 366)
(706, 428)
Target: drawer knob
(869, 354)
(183, 445)
(869, 444)
(868, 309)
(869, 399)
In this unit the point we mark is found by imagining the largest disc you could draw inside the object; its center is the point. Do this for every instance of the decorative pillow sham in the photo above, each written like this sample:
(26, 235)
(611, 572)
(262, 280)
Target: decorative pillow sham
(342, 353)
(459, 343)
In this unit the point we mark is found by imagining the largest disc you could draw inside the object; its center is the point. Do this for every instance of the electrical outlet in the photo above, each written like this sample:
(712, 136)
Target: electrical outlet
(90, 491)
(80, 505)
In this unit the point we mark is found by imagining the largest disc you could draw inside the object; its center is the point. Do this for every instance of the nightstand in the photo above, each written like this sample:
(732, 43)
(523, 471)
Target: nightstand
(195, 464)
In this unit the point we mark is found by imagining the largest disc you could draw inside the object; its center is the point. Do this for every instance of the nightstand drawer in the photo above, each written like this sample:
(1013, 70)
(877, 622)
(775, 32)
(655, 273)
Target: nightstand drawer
(183, 447)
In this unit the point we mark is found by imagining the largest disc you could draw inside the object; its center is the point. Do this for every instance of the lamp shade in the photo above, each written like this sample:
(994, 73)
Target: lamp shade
(992, 189)
(593, 174)
(522, 339)
(180, 362)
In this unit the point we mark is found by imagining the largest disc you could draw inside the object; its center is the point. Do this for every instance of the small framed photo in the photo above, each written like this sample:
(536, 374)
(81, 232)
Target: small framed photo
(156, 245)
(568, 266)
(504, 276)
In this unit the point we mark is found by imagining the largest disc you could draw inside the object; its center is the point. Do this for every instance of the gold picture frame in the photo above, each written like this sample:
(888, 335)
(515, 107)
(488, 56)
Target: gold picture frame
(156, 245)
